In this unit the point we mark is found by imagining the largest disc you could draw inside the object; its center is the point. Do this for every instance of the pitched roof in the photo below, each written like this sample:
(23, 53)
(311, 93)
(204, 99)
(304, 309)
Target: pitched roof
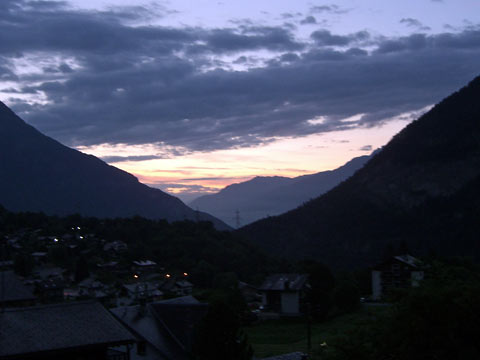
(291, 356)
(180, 300)
(140, 287)
(284, 282)
(179, 320)
(405, 259)
(408, 259)
(59, 327)
(13, 288)
(167, 325)
(143, 323)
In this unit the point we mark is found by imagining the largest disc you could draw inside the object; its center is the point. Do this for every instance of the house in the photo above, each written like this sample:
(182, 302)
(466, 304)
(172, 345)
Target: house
(115, 247)
(249, 292)
(46, 273)
(13, 292)
(40, 257)
(144, 291)
(76, 330)
(183, 287)
(50, 290)
(164, 329)
(400, 271)
(144, 267)
(282, 293)
(6, 265)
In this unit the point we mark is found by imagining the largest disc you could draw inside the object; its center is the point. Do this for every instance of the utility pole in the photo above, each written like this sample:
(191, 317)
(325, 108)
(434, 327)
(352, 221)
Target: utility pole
(309, 329)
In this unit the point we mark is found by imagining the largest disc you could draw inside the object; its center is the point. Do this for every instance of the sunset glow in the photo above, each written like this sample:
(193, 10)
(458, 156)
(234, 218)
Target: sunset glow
(189, 175)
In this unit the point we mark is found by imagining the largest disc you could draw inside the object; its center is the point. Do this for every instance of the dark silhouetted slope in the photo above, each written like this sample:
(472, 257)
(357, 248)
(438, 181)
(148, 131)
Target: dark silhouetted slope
(269, 196)
(38, 173)
(412, 191)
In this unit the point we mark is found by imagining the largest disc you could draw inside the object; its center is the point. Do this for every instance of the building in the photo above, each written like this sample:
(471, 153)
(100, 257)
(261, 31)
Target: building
(400, 271)
(290, 356)
(77, 330)
(164, 329)
(13, 292)
(283, 293)
(143, 291)
(50, 290)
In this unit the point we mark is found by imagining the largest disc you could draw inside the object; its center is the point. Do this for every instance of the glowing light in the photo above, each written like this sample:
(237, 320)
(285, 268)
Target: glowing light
(135, 276)
(185, 274)
(168, 275)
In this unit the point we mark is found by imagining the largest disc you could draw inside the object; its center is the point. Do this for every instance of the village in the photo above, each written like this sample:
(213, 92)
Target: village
(154, 309)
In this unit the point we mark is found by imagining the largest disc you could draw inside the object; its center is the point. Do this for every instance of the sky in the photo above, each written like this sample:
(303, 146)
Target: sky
(191, 96)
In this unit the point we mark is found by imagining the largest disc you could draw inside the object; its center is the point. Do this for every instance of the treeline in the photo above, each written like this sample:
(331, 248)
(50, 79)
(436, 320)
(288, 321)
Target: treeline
(184, 246)
(438, 320)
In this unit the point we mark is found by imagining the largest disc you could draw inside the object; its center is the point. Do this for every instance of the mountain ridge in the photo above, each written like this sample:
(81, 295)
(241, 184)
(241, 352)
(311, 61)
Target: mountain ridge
(265, 196)
(37, 173)
(431, 161)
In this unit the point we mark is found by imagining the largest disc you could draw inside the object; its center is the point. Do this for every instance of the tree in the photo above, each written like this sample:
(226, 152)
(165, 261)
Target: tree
(439, 320)
(23, 264)
(322, 283)
(219, 335)
(81, 269)
(346, 296)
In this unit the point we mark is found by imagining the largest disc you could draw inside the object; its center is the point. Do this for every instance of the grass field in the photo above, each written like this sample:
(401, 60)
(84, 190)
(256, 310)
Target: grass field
(276, 337)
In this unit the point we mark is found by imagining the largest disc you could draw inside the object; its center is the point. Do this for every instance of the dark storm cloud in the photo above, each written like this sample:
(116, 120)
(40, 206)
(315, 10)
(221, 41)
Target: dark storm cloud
(6, 73)
(40, 28)
(250, 38)
(326, 38)
(468, 39)
(173, 86)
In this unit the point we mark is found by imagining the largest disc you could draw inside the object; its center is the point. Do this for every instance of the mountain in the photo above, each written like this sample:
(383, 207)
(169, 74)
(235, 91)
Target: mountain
(267, 196)
(38, 173)
(422, 190)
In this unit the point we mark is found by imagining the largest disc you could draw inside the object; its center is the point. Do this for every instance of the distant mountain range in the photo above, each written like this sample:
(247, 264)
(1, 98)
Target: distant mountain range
(268, 196)
(422, 190)
(38, 173)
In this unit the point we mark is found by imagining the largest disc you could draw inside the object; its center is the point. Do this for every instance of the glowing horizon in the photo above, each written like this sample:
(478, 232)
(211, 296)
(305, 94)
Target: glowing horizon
(194, 174)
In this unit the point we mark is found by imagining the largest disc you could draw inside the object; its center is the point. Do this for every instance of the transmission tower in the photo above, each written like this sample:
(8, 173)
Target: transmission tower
(237, 219)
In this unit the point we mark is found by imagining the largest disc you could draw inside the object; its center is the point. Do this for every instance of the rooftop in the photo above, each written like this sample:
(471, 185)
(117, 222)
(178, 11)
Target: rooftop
(166, 325)
(59, 327)
(13, 288)
(284, 282)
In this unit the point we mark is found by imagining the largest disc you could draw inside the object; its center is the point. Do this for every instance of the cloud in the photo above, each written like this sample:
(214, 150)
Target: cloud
(332, 9)
(249, 38)
(466, 40)
(410, 22)
(186, 193)
(326, 38)
(366, 148)
(211, 178)
(309, 20)
(115, 159)
(181, 88)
